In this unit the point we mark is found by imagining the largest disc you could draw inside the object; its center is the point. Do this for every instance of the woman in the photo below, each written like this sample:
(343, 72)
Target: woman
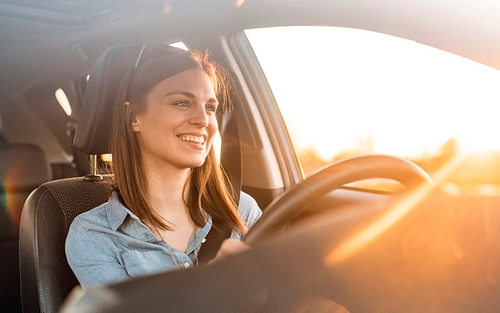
(169, 186)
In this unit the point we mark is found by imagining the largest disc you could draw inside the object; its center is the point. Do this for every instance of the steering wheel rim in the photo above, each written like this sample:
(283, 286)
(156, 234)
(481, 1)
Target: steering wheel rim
(290, 204)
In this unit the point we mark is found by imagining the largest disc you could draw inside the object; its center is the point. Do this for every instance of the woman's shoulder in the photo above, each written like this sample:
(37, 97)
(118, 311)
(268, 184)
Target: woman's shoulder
(248, 208)
(106, 215)
(247, 201)
(96, 217)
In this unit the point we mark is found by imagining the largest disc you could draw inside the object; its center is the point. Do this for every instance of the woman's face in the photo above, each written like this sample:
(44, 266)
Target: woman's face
(178, 124)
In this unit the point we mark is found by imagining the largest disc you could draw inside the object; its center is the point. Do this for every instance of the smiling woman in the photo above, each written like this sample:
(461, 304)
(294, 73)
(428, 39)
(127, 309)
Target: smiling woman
(169, 189)
(362, 92)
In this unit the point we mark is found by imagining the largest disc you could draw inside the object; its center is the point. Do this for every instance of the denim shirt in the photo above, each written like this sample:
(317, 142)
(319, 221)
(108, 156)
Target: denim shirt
(109, 243)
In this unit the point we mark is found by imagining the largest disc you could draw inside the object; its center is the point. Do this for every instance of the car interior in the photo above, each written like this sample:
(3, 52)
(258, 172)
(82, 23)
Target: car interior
(24, 167)
(322, 245)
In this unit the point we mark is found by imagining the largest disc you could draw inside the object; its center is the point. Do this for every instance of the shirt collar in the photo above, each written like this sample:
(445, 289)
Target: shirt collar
(117, 212)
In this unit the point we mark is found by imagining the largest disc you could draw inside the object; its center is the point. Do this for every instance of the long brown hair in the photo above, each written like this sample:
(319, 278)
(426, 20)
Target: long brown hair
(208, 185)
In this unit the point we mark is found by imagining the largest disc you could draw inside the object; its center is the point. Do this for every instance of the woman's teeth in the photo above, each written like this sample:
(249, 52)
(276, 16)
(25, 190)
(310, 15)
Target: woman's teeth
(194, 139)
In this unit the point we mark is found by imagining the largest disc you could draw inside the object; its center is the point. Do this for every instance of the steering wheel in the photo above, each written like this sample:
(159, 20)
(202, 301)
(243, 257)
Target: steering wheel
(292, 202)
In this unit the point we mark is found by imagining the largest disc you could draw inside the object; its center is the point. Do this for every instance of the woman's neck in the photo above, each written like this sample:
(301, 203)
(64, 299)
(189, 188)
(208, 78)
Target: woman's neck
(166, 190)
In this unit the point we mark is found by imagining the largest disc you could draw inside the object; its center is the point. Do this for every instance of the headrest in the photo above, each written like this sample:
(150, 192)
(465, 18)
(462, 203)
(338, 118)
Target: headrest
(94, 120)
(23, 166)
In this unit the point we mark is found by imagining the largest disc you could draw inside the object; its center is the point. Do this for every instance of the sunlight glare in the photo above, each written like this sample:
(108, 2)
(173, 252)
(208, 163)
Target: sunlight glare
(364, 92)
(357, 242)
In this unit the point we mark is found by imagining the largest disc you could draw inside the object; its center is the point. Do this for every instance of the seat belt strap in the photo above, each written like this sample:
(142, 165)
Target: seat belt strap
(219, 232)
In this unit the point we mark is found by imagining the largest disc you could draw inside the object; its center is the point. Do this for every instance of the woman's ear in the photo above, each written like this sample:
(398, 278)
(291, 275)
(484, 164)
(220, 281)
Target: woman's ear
(136, 125)
(135, 122)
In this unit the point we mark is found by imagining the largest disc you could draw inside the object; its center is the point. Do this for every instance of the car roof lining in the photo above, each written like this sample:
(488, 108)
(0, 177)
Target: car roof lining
(72, 13)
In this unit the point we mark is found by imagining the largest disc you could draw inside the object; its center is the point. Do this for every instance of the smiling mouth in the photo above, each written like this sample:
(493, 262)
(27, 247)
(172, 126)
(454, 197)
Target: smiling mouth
(195, 139)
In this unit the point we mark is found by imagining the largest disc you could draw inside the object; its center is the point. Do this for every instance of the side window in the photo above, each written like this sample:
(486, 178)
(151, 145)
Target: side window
(346, 92)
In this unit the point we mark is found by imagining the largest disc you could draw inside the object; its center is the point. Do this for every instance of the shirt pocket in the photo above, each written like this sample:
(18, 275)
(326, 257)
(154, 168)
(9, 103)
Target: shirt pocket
(144, 262)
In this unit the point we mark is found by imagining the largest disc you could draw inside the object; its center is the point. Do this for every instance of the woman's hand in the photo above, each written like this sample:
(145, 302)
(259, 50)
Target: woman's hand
(230, 246)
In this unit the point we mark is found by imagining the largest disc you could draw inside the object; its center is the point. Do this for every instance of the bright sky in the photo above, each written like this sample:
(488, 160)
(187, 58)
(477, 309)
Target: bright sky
(408, 99)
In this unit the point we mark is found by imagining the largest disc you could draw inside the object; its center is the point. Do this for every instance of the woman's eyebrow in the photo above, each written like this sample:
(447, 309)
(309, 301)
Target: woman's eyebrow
(185, 93)
(189, 95)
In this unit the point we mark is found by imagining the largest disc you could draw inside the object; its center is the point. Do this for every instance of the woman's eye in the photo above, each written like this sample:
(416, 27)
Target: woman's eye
(182, 103)
(211, 108)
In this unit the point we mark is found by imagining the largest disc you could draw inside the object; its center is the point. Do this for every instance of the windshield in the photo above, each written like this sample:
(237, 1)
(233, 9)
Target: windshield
(348, 92)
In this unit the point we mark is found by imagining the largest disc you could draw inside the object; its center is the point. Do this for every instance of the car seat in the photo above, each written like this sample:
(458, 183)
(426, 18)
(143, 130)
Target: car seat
(23, 167)
(46, 278)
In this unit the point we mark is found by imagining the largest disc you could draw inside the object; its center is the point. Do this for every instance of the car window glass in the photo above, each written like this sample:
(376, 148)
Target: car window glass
(347, 92)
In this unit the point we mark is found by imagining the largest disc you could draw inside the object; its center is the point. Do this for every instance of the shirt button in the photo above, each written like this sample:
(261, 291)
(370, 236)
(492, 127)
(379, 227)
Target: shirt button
(204, 239)
(186, 265)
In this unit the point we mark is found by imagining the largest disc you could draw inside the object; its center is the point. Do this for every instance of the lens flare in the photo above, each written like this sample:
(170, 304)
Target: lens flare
(355, 243)
(8, 200)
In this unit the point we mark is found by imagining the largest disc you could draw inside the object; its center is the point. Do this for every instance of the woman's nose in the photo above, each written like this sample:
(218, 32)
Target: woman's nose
(199, 117)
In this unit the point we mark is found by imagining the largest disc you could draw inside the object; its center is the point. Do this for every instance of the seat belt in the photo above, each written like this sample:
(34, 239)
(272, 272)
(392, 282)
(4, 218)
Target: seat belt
(231, 161)
(219, 232)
